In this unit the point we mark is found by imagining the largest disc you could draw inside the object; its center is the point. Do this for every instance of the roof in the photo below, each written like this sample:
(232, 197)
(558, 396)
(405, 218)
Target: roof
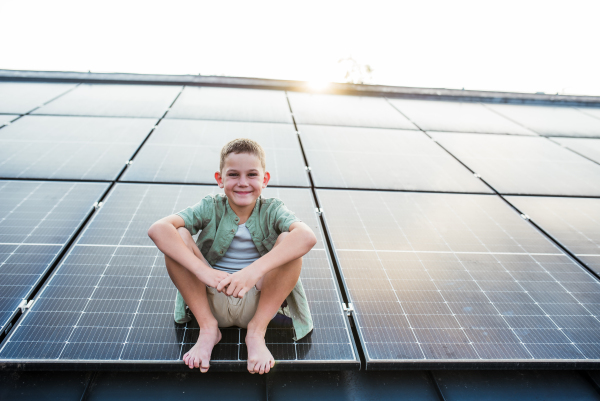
(490, 178)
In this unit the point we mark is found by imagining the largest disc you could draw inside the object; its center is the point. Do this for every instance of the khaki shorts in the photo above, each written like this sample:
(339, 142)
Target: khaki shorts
(232, 311)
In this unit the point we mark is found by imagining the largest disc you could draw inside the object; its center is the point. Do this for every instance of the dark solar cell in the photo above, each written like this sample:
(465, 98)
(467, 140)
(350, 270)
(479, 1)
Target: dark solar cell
(114, 101)
(585, 146)
(350, 157)
(443, 277)
(551, 121)
(524, 165)
(92, 148)
(346, 111)
(112, 299)
(36, 221)
(22, 97)
(457, 117)
(232, 104)
(574, 222)
(6, 118)
(188, 151)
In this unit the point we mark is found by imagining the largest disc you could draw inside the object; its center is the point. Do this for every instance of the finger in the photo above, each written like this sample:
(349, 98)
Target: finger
(223, 283)
(242, 292)
(237, 291)
(231, 289)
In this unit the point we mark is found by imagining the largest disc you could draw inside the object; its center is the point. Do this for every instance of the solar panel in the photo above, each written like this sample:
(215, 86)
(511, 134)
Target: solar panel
(232, 104)
(112, 300)
(351, 157)
(22, 97)
(574, 222)
(6, 118)
(457, 117)
(586, 146)
(524, 165)
(85, 148)
(114, 101)
(551, 121)
(346, 111)
(452, 278)
(188, 151)
(37, 219)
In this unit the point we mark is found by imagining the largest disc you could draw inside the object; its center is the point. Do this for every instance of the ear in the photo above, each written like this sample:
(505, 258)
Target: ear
(219, 179)
(266, 179)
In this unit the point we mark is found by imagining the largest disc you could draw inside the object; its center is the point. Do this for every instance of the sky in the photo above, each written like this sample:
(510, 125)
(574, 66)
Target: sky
(517, 46)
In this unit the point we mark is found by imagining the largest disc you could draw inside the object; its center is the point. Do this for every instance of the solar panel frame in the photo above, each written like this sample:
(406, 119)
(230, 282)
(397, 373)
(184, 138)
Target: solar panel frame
(588, 147)
(432, 115)
(232, 104)
(222, 354)
(5, 119)
(551, 120)
(48, 253)
(493, 362)
(341, 110)
(375, 158)
(23, 97)
(188, 151)
(569, 221)
(523, 165)
(114, 100)
(594, 112)
(67, 147)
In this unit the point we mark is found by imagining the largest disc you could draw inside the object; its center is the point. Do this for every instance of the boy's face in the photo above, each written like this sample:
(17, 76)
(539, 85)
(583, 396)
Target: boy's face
(242, 178)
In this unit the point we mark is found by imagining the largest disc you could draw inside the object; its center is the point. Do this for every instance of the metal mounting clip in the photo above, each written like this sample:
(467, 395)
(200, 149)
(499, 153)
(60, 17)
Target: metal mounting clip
(349, 309)
(524, 216)
(476, 175)
(129, 162)
(307, 168)
(24, 305)
(98, 205)
(319, 211)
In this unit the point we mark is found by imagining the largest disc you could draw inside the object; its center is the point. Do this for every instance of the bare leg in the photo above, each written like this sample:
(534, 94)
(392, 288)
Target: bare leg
(274, 288)
(194, 294)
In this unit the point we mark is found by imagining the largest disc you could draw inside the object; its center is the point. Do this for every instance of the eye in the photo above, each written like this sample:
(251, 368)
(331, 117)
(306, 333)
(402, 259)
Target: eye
(253, 174)
(232, 174)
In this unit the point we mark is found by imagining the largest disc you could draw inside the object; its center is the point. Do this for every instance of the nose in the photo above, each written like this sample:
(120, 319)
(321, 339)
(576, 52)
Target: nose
(243, 181)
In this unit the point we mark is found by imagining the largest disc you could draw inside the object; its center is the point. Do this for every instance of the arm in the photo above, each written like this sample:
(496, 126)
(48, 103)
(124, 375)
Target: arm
(297, 244)
(165, 236)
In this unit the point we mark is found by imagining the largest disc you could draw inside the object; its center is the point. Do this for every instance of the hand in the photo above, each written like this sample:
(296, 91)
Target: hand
(239, 283)
(212, 277)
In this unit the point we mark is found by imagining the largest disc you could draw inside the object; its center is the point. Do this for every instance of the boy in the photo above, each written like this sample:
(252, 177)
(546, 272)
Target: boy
(245, 263)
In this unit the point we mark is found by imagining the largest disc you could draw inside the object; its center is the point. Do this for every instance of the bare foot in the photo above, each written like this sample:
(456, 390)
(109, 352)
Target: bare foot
(199, 355)
(260, 359)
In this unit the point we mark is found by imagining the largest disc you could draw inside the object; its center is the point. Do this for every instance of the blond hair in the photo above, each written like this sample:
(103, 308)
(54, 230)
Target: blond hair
(242, 145)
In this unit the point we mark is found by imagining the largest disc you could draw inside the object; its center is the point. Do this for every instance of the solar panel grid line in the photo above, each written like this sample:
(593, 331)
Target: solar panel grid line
(30, 101)
(514, 324)
(148, 321)
(588, 148)
(24, 269)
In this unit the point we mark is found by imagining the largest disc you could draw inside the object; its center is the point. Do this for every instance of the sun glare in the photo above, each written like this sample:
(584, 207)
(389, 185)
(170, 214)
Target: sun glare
(317, 86)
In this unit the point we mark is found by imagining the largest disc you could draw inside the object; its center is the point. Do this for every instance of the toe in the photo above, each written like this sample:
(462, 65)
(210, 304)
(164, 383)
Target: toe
(251, 366)
(262, 368)
(196, 362)
(204, 366)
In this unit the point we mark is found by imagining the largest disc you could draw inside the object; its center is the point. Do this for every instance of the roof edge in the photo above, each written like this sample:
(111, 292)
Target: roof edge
(302, 86)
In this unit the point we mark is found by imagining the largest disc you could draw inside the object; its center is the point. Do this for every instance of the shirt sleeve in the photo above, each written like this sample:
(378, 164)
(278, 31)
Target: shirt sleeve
(284, 218)
(195, 216)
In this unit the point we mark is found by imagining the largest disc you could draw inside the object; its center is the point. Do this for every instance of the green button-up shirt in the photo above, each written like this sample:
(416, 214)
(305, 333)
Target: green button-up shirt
(218, 224)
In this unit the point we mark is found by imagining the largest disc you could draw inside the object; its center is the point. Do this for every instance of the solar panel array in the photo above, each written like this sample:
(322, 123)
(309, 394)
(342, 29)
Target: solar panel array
(447, 277)
(189, 151)
(112, 299)
(37, 219)
(450, 276)
(524, 165)
(83, 148)
(574, 222)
